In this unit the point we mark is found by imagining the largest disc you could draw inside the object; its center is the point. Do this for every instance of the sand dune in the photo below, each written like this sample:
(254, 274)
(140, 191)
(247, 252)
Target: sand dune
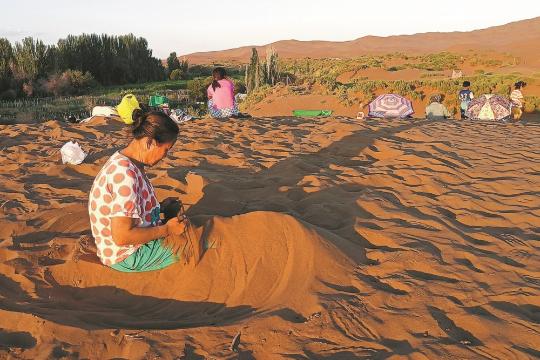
(513, 38)
(334, 239)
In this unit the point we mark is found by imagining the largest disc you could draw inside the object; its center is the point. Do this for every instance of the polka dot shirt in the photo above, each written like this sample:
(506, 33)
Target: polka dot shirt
(120, 190)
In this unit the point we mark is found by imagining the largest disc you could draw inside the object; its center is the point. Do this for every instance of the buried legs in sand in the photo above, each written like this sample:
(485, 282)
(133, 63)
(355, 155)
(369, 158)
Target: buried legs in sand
(163, 252)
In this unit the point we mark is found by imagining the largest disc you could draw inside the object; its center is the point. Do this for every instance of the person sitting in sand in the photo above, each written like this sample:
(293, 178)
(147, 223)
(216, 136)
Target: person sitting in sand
(436, 110)
(221, 100)
(123, 207)
(516, 96)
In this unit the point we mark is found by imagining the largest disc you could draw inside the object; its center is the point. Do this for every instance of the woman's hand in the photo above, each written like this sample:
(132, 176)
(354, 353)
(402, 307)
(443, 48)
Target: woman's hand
(175, 227)
(124, 231)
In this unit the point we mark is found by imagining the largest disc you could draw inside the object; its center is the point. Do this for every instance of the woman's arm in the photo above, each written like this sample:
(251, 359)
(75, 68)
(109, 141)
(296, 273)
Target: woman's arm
(125, 231)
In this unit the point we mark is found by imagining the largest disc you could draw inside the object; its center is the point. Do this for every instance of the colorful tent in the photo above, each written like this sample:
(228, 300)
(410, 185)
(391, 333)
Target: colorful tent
(126, 107)
(390, 106)
(489, 107)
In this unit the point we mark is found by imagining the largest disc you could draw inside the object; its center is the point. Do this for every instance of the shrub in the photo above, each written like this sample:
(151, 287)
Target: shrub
(532, 103)
(70, 82)
(177, 74)
(239, 86)
(9, 94)
(28, 88)
(437, 62)
(256, 96)
(197, 88)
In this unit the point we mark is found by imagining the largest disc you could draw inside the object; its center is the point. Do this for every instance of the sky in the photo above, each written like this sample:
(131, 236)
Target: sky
(191, 26)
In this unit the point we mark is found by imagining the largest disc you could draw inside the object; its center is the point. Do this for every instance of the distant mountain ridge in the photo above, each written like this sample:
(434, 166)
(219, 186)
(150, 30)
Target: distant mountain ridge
(520, 38)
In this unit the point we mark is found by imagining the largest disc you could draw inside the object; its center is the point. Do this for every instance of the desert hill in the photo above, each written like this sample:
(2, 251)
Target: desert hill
(516, 38)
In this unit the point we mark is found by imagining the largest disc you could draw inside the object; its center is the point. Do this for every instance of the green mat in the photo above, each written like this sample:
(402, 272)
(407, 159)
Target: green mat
(157, 100)
(312, 113)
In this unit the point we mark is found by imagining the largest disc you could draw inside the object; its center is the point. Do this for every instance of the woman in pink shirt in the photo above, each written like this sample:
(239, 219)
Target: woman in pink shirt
(221, 101)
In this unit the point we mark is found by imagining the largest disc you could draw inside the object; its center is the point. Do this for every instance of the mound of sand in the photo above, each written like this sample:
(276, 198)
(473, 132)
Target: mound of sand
(333, 239)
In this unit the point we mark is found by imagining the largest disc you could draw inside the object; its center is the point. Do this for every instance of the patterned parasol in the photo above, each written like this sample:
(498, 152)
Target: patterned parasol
(489, 107)
(390, 106)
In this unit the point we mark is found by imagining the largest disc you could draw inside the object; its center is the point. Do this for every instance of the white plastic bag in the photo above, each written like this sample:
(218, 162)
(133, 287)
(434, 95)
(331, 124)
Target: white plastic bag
(107, 111)
(72, 153)
(179, 116)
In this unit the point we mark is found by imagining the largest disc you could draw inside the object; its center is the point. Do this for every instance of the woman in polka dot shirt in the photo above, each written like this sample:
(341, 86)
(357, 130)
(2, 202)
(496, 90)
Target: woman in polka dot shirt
(124, 211)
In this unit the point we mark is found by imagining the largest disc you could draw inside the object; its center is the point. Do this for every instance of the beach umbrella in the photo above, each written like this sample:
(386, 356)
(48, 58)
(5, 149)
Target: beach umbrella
(489, 107)
(390, 106)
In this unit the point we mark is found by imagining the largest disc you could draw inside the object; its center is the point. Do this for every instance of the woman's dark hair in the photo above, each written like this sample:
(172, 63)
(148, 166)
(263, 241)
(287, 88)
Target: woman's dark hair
(218, 74)
(466, 83)
(155, 125)
(520, 84)
(439, 98)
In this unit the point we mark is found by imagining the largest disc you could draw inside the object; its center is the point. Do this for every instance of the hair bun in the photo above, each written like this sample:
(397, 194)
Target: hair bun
(138, 118)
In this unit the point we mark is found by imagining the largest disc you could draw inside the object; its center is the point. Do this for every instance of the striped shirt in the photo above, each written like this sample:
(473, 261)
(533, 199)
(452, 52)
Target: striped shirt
(516, 96)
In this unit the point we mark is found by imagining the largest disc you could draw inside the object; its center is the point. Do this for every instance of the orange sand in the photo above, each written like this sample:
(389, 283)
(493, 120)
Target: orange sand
(336, 239)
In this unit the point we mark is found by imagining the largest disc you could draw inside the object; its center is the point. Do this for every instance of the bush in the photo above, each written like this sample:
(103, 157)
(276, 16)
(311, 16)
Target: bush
(177, 74)
(532, 103)
(28, 88)
(256, 96)
(197, 88)
(70, 82)
(239, 87)
(200, 70)
(8, 95)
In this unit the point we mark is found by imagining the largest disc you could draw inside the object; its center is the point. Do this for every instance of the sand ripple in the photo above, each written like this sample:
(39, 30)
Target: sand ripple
(336, 239)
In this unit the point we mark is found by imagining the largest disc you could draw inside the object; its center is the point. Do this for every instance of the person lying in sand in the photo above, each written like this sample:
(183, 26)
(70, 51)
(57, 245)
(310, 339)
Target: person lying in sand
(436, 110)
(123, 207)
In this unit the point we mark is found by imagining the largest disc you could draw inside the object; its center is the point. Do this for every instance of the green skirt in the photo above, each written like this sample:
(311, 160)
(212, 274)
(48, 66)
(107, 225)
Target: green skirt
(151, 256)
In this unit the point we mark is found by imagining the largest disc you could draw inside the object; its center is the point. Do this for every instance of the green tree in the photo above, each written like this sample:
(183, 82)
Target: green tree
(32, 59)
(176, 74)
(197, 89)
(271, 67)
(184, 66)
(173, 63)
(253, 72)
(110, 59)
(6, 60)
(258, 74)
(70, 82)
